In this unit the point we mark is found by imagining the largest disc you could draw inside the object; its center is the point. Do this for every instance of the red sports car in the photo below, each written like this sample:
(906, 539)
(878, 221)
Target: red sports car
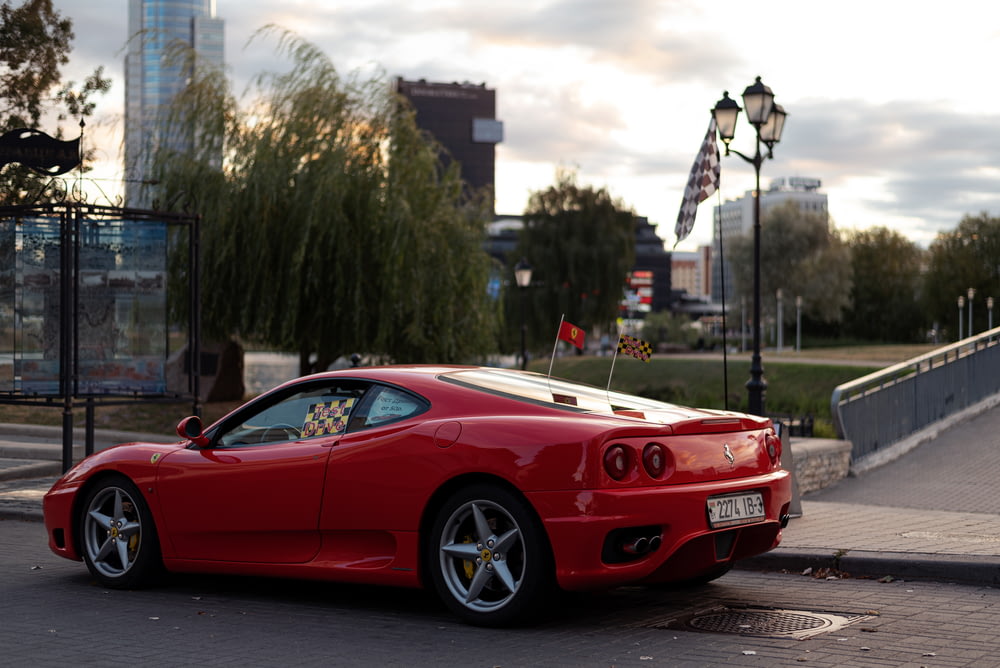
(491, 486)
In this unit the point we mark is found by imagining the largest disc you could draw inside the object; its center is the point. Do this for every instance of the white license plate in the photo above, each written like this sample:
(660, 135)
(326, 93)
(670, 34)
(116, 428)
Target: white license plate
(734, 509)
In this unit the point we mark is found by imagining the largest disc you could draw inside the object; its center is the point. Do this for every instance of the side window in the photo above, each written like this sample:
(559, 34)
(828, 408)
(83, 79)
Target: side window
(385, 405)
(311, 412)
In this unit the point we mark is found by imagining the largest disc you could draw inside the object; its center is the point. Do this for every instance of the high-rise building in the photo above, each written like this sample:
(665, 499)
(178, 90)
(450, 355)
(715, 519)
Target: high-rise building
(462, 118)
(153, 78)
(735, 218)
(691, 272)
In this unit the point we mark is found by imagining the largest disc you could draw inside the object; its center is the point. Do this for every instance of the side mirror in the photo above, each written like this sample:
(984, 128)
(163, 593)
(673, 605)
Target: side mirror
(190, 428)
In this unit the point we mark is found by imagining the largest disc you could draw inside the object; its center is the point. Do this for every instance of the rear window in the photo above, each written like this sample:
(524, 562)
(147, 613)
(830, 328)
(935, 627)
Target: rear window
(558, 392)
(387, 404)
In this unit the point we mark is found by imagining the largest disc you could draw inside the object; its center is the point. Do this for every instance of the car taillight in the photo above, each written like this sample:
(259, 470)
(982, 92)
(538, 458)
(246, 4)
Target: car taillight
(616, 461)
(773, 446)
(654, 459)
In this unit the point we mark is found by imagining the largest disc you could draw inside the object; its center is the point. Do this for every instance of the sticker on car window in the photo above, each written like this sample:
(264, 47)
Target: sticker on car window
(390, 405)
(327, 418)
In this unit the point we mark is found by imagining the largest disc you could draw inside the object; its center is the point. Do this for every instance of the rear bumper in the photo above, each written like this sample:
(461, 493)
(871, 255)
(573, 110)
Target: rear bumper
(580, 525)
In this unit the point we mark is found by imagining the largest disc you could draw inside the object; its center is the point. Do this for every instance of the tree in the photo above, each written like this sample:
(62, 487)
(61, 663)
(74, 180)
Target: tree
(581, 243)
(331, 227)
(798, 255)
(968, 257)
(35, 42)
(34, 45)
(886, 288)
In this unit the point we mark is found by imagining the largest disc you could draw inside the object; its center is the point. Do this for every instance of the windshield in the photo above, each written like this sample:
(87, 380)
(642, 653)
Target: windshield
(536, 387)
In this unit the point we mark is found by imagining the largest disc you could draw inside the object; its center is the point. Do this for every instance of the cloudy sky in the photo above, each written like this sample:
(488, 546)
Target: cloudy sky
(891, 104)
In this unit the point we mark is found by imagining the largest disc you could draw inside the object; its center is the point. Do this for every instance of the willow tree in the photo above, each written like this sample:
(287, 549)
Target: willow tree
(330, 226)
(580, 242)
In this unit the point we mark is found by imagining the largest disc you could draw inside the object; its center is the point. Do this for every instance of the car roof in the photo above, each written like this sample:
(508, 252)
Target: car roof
(436, 380)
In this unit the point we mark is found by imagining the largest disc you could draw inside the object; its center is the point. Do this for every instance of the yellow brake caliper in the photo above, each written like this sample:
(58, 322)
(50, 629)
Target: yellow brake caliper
(470, 566)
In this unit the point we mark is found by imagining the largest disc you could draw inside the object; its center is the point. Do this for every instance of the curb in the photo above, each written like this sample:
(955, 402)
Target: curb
(54, 434)
(967, 569)
(15, 515)
(31, 468)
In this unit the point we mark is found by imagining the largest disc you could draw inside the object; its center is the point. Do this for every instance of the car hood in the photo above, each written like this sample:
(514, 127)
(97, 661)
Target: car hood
(121, 457)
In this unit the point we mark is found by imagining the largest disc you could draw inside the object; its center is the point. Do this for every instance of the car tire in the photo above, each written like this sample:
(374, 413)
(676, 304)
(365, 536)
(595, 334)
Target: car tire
(489, 559)
(117, 535)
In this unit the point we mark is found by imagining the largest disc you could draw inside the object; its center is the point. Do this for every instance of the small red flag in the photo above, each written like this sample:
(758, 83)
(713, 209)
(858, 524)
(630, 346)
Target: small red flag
(572, 334)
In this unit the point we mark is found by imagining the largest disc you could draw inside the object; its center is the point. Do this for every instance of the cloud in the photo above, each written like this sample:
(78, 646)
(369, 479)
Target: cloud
(623, 90)
(933, 164)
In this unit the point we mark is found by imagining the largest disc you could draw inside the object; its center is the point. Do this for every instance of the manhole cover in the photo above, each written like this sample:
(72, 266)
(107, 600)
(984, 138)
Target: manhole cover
(765, 622)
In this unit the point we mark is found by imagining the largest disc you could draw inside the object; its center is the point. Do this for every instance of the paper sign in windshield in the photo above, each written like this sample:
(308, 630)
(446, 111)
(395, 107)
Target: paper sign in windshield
(327, 418)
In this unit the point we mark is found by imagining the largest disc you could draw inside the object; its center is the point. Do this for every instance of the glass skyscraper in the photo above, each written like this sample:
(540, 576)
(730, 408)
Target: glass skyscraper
(152, 80)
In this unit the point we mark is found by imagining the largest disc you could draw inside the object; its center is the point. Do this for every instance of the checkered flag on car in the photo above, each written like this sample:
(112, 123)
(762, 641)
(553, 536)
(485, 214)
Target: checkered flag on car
(633, 347)
(703, 181)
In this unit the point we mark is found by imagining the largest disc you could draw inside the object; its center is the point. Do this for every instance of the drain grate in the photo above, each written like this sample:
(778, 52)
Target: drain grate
(763, 622)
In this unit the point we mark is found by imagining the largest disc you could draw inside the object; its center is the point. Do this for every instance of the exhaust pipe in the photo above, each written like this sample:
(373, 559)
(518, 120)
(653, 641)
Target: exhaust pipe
(637, 546)
(642, 545)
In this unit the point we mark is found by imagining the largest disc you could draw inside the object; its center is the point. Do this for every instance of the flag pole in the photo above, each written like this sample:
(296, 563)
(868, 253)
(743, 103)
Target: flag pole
(725, 347)
(702, 182)
(613, 358)
(555, 345)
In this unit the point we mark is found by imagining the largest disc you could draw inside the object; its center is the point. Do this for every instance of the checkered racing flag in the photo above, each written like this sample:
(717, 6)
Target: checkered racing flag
(633, 347)
(703, 181)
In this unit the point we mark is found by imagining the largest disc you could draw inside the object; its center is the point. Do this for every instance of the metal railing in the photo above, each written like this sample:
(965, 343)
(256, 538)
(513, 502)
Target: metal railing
(880, 409)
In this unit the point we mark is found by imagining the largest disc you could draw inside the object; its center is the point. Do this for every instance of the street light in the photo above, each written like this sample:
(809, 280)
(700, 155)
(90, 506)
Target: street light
(798, 323)
(522, 276)
(989, 306)
(961, 307)
(768, 120)
(781, 323)
(972, 293)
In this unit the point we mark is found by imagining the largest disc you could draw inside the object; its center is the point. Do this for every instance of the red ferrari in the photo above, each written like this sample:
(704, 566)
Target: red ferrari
(493, 487)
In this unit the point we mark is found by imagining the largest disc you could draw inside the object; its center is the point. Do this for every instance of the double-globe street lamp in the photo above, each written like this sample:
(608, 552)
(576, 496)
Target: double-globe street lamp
(768, 120)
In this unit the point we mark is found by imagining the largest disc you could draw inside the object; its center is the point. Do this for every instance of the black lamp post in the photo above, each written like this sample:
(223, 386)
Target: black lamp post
(961, 308)
(971, 293)
(768, 120)
(522, 276)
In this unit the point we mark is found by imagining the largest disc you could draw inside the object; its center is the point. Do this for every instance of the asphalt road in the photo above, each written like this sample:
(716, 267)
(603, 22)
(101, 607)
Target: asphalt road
(54, 615)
